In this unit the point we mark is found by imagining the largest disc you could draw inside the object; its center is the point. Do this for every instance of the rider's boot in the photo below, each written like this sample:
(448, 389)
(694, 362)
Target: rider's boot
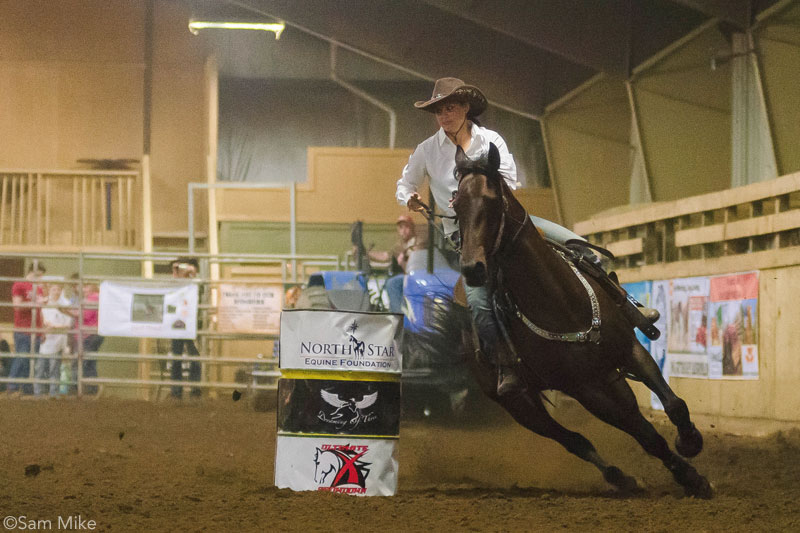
(509, 382)
(488, 341)
(650, 314)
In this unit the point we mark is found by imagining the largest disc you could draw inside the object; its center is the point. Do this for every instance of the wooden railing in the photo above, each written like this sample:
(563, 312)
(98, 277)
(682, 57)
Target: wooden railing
(760, 217)
(69, 208)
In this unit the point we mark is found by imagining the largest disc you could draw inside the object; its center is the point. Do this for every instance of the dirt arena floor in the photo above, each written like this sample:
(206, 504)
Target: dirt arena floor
(208, 466)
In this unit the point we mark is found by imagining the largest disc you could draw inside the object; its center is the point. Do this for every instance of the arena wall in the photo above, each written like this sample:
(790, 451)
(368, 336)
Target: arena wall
(72, 80)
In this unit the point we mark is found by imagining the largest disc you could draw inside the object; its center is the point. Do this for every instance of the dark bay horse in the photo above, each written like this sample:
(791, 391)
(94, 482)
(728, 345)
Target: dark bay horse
(544, 299)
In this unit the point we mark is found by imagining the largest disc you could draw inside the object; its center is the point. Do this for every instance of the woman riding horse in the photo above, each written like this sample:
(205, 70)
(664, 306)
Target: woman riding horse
(456, 107)
(569, 335)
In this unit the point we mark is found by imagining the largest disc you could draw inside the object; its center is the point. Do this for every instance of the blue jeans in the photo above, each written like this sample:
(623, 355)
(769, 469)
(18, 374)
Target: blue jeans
(176, 370)
(47, 369)
(21, 366)
(394, 289)
(483, 316)
(90, 344)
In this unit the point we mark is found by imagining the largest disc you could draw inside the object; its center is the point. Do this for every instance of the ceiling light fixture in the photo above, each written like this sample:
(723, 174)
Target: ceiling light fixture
(276, 27)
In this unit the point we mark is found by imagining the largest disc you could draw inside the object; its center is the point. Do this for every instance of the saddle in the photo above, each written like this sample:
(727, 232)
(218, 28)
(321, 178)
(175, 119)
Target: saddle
(581, 254)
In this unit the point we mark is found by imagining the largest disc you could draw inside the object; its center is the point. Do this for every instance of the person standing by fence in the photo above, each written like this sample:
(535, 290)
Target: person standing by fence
(55, 340)
(25, 341)
(184, 268)
(87, 337)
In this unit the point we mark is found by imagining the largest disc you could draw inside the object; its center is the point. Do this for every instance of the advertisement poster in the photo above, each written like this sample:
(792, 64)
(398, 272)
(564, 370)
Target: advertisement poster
(167, 311)
(658, 348)
(340, 340)
(687, 328)
(249, 308)
(733, 331)
(641, 291)
(336, 407)
(364, 467)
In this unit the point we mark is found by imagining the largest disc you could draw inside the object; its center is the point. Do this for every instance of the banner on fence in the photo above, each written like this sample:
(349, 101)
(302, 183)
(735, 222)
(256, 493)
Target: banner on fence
(249, 308)
(733, 332)
(686, 339)
(352, 466)
(340, 340)
(336, 407)
(167, 311)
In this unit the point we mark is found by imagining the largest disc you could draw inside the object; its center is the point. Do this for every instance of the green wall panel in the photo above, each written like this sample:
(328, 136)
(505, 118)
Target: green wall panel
(274, 237)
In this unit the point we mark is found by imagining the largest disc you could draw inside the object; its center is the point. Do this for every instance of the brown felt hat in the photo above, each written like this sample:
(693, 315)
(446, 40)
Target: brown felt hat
(405, 219)
(446, 87)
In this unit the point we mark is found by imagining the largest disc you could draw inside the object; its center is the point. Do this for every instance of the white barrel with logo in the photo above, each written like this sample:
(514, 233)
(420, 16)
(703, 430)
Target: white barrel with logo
(339, 401)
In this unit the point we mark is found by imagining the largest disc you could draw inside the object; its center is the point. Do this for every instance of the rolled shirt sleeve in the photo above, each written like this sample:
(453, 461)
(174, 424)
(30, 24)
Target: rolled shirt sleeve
(508, 168)
(413, 176)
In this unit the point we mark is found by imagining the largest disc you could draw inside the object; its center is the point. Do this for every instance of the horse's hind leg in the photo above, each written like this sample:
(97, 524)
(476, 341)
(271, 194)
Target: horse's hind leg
(689, 441)
(615, 404)
(531, 413)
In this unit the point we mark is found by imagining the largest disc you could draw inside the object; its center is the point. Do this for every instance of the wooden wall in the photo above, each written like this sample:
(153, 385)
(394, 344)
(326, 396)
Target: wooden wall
(72, 86)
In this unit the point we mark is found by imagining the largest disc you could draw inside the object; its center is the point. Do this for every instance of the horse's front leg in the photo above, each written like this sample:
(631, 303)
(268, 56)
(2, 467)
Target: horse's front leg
(689, 441)
(615, 404)
(530, 412)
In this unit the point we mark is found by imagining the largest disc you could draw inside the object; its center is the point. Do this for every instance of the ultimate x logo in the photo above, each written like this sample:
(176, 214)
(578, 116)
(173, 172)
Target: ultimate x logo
(342, 466)
(358, 346)
(349, 412)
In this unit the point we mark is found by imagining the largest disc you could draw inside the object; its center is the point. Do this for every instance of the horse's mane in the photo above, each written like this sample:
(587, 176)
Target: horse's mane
(480, 165)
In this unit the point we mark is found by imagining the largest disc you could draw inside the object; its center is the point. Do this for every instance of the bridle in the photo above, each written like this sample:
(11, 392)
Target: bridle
(504, 214)
(592, 334)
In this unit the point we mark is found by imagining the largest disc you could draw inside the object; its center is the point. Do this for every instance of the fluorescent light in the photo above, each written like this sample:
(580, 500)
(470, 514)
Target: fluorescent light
(277, 27)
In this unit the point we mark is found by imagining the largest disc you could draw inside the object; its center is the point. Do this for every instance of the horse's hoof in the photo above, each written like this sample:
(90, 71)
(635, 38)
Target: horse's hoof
(623, 483)
(702, 489)
(689, 443)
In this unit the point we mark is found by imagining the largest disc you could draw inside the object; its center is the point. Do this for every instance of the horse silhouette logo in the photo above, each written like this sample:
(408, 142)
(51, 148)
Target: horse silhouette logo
(339, 466)
(349, 411)
(358, 346)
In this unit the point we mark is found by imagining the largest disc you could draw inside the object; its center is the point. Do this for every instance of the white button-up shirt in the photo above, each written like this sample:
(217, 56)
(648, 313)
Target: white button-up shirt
(436, 158)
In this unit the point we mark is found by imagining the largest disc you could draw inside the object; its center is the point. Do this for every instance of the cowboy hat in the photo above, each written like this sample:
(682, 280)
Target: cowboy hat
(447, 87)
(405, 219)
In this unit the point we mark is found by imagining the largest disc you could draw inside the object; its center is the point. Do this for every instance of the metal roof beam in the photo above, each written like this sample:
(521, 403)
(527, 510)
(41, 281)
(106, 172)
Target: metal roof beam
(432, 43)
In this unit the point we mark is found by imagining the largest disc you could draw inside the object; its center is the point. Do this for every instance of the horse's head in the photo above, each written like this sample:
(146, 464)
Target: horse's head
(479, 206)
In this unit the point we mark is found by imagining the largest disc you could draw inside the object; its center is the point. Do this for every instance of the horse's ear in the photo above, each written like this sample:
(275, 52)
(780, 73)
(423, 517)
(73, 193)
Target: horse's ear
(494, 157)
(461, 157)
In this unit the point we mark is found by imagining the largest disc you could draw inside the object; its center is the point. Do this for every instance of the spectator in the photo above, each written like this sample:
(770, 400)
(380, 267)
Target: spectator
(90, 341)
(25, 293)
(55, 340)
(184, 268)
(5, 362)
(407, 241)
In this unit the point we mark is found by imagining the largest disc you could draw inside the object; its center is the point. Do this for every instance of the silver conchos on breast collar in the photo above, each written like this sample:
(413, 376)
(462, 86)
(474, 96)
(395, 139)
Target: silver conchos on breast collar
(590, 335)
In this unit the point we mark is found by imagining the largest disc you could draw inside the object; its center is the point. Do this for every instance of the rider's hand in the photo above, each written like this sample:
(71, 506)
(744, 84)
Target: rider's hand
(414, 203)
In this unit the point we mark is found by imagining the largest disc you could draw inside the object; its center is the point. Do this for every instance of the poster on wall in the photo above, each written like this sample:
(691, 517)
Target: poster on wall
(249, 308)
(641, 291)
(658, 348)
(687, 327)
(733, 331)
(167, 311)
